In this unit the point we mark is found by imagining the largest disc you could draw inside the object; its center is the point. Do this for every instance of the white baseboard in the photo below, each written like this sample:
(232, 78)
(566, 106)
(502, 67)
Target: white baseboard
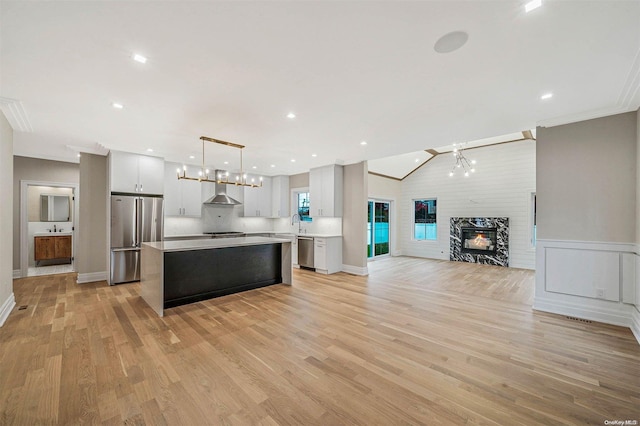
(635, 323)
(6, 308)
(621, 315)
(17, 273)
(355, 270)
(92, 277)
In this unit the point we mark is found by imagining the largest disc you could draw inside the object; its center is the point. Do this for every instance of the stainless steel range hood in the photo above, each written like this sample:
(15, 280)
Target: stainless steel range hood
(220, 196)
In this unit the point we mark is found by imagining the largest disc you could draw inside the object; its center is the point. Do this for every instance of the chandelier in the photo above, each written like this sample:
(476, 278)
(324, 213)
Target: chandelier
(462, 162)
(240, 179)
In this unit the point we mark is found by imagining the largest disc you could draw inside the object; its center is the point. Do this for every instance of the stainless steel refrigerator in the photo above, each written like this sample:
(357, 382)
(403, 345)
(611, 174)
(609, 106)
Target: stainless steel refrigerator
(134, 220)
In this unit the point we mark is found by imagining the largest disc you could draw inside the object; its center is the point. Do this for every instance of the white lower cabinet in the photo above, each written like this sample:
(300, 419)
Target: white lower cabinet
(294, 252)
(327, 254)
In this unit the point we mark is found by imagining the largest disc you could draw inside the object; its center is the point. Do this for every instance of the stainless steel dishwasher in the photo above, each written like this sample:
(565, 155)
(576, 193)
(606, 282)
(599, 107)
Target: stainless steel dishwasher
(305, 252)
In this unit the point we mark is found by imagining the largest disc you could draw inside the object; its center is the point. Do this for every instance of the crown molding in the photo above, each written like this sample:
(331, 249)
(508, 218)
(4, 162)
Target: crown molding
(16, 115)
(584, 116)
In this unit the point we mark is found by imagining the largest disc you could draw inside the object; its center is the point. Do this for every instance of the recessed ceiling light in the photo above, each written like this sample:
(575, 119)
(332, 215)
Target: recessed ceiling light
(451, 42)
(139, 58)
(314, 155)
(417, 160)
(533, 4)
(291, 115)
(149, 149)
(192, 156)
(79, 155)
(293, 160)
(273, 165)
(254, 167)
(363, 143)
(117, 105)
(226, 162)
(546, 96)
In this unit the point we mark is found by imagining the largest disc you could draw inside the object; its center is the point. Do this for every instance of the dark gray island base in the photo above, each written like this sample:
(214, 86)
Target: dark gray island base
(179, 272)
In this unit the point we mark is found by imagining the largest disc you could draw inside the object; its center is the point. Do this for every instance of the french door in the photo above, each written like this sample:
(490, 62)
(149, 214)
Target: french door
(378, 228)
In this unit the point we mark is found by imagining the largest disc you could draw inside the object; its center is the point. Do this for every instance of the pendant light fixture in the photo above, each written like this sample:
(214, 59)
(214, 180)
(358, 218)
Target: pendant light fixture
(462, 164)
(238, 179)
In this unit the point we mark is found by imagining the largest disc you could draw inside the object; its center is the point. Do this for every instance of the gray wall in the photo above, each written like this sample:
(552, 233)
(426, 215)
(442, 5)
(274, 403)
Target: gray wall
(586, 180)
(92, 226)
(354, 217)
(6, 210)
(299, 181)
(25, 168)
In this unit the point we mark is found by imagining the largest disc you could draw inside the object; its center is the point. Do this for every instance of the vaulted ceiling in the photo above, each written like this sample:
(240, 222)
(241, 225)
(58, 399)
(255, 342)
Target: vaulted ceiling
(350, 71)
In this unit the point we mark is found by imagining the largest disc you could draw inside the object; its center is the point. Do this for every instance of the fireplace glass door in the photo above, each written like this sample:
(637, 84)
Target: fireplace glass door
(479, 240)
(378, 228)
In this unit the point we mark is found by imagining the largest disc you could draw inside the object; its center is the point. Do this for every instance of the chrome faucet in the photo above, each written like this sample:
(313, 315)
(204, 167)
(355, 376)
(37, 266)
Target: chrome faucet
(293, 218)
(54, 228)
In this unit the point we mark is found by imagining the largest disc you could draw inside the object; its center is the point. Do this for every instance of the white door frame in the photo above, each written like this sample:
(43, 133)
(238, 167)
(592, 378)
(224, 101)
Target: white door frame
(391, 226)
(24, 219)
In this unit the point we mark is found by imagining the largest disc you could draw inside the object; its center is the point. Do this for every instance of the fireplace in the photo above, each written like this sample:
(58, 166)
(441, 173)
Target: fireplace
(479, 240)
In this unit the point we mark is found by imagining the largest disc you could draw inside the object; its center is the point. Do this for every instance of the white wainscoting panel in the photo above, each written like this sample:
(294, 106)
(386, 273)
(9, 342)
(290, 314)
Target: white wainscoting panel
(583, 273)
(629, 264)
(570, 273)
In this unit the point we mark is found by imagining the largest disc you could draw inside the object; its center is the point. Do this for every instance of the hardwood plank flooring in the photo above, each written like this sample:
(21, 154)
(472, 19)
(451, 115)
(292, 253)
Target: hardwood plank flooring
(416, 342)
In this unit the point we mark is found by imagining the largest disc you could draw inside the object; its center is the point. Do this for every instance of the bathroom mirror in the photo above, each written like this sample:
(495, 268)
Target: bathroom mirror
(54, 208)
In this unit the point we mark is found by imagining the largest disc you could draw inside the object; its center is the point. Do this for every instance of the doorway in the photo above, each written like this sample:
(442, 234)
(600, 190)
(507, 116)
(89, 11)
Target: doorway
(48, 219)
(378, 232)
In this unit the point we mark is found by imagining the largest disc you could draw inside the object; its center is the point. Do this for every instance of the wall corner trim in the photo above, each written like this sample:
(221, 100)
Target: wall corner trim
(17, 273)
(635, 323)
(355, 270)
(6, 308)
(92, 277)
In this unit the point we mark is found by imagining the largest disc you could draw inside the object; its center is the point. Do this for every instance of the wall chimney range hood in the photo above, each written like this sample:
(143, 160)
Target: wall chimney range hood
(220, 196)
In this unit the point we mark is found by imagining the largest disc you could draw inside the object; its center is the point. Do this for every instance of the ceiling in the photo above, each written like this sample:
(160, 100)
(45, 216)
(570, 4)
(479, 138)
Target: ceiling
(350, 71)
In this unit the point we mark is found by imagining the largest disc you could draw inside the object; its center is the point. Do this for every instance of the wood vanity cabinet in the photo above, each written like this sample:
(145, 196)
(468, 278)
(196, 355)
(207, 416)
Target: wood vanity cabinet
(54, 247)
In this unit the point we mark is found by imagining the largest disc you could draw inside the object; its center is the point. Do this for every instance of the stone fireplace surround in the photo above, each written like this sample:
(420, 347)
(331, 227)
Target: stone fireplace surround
(500, 258)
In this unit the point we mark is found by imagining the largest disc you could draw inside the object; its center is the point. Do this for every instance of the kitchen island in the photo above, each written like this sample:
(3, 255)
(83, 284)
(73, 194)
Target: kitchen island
(175, 273)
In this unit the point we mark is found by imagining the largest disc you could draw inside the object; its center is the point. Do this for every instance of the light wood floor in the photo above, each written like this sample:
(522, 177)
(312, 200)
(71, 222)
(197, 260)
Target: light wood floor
(416, 342)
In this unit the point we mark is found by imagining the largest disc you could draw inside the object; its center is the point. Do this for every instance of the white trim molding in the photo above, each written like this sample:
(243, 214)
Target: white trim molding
(587, 279)
(17, 273)
(91, 277)
(355, 270)
(635, 323)
(6, 308)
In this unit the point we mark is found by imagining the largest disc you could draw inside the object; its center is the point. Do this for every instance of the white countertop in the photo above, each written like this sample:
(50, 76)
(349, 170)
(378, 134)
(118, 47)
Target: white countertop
(52, 234)
(214, 243)
(318, 235)
(188, 236)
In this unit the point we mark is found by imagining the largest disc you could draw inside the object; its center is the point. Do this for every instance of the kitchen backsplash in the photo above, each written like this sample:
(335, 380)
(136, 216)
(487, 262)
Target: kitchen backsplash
(218, 219)
(182, 225)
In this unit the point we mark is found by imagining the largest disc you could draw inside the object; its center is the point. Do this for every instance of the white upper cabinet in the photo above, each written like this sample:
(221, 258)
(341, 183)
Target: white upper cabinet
(135, 173)
(257, 201)
(280, 196)
(181, 197)
(325, 191)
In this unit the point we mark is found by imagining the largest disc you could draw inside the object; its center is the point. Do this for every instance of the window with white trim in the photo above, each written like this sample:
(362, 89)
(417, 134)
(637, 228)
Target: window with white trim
(424, 219)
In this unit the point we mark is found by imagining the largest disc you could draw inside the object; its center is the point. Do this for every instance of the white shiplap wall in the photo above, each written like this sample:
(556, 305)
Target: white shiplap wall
(502, 185)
